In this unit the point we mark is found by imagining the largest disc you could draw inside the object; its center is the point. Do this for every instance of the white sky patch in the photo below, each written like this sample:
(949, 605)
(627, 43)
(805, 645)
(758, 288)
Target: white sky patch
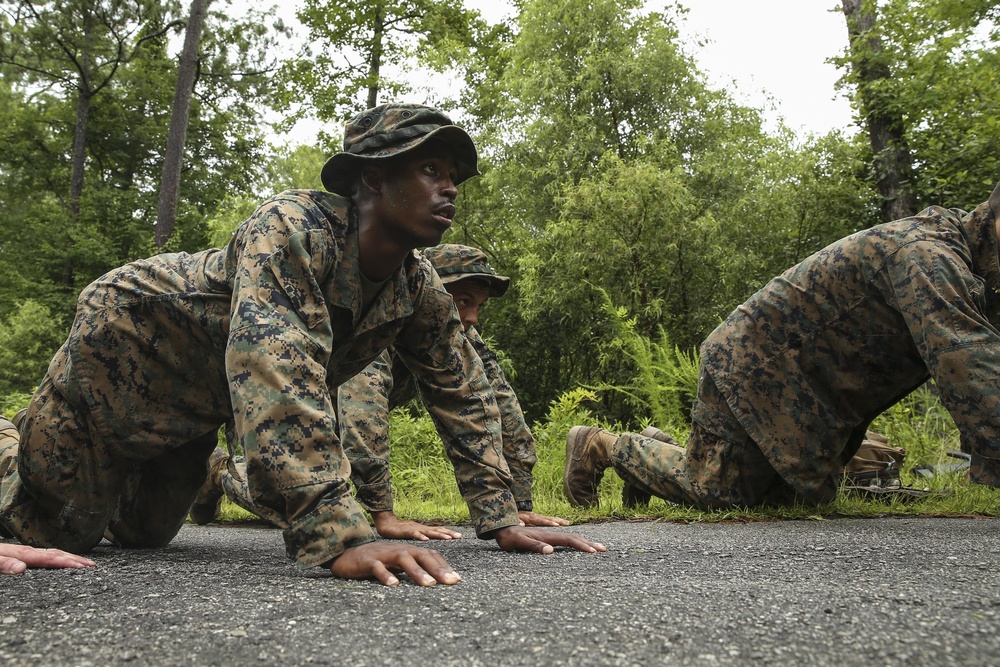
(769, 54)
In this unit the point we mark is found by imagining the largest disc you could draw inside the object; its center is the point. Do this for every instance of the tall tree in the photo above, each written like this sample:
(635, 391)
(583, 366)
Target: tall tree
(227, 73)
(363, 48)
(127, 123)
(79, 45)
(879, 104)
(613, 172)
(597, 121)
(945, 64)
(166, 212)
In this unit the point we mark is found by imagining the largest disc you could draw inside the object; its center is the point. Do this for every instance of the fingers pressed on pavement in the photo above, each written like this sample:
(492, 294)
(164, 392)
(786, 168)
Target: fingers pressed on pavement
(437, 567)
(380, 572)
(12, 566)
(408, 564)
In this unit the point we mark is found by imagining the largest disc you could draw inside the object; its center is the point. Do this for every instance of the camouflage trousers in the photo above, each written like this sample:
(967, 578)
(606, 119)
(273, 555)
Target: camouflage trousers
(59, 487)
(237, 490)
(720, 467)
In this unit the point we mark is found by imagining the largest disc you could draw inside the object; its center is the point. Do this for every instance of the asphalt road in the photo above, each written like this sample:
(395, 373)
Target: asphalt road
(835, 592)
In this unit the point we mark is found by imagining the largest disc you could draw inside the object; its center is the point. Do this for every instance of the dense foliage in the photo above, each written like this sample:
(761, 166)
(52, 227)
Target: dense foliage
(633, 204)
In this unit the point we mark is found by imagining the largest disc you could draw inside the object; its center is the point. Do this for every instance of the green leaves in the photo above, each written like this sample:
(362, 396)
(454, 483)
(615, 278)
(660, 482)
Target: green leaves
(944, 65)
(28, 339)
(359, 54)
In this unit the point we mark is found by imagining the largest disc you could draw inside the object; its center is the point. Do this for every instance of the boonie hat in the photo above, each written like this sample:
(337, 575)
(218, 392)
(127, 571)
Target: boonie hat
(455, 262)
(391, 129)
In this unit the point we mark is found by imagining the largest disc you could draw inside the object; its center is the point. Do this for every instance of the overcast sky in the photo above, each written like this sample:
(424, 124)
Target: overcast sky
(769, 53)
(777, 47)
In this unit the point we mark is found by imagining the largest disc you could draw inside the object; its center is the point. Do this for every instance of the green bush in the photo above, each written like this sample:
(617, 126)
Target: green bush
(665, 379)
(11, 403)
(28, 338)
(921, 425)
(423, 479)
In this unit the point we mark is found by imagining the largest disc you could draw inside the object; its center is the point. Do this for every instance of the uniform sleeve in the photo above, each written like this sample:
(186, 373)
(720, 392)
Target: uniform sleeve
(458, 395)
(518, 443)
(942, 302)
(278, 349)
(364, 432)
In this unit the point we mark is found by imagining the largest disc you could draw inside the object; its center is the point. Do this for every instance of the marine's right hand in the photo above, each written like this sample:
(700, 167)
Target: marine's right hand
(380, 560)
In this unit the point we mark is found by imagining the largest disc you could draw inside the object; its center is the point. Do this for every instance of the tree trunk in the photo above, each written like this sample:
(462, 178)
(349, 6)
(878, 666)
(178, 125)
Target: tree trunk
(79, 159)
(76, 176)
(886, 129)
(166, 211)
(375, 65)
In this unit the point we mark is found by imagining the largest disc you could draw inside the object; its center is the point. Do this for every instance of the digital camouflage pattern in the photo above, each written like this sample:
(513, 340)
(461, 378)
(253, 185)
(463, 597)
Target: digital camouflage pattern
(8, 456)
(391, 129)
(364, 404)
(454, 262)
(366, 399)
(165, 350)
(792, 378)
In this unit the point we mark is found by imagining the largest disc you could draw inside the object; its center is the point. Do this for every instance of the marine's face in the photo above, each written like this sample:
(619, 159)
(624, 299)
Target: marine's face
(469, 295)
(417, 198)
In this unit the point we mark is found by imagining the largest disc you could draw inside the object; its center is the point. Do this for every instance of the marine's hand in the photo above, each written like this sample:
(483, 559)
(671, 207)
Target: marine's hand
(381, 559)
(16, 558)
(389, 526)
(532, 519)
(540, 540)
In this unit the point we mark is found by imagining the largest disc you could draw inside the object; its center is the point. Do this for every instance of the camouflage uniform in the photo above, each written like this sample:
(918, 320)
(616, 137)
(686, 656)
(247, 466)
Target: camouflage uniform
(165, 350)
(367, 398)
(792, 378)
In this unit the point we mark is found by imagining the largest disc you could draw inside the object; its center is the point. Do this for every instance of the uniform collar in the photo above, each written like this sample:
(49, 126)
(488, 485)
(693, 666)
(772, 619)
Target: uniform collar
(393, 302)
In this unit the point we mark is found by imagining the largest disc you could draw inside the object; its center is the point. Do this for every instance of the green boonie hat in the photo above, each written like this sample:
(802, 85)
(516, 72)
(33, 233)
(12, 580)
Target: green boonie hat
(455, 262)
(391, 129)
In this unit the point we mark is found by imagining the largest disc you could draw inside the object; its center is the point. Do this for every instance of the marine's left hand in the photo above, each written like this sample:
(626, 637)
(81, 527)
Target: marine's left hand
(16, 558)
(540, 540)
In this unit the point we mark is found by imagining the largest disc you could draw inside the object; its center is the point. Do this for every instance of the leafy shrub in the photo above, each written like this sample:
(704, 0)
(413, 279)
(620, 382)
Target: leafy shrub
(423, 478)
(665, 380)
(921, 425)
(28, 339)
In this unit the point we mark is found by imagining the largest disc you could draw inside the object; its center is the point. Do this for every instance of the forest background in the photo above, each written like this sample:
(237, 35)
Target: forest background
(633, 203)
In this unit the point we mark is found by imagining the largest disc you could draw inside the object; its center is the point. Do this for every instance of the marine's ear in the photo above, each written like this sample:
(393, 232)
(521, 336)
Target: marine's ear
(372, 178)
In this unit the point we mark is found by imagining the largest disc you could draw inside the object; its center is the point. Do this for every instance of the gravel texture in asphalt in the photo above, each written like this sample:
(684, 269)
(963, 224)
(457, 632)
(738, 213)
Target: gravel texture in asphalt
(825, 592)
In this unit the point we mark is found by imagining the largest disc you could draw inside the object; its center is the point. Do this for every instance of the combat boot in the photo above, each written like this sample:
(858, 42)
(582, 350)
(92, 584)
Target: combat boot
(208, 502)
(588, 455)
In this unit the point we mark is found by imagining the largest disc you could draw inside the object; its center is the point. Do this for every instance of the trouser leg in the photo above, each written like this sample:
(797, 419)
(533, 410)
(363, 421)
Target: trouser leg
(60, 487)
(720, 467)
(234, 484)
(9, 440)
(159, 494)
(655, 467)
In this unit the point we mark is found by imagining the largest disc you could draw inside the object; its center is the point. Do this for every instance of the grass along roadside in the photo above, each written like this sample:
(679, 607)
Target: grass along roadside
(425, 489)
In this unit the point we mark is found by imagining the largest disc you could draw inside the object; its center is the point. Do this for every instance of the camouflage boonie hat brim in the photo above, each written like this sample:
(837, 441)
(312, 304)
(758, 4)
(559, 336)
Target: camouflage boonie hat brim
(455, 262)
(389, 130)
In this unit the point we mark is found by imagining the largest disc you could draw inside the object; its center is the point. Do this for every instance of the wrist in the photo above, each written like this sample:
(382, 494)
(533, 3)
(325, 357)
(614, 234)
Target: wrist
(525, 506)
(381, 516)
